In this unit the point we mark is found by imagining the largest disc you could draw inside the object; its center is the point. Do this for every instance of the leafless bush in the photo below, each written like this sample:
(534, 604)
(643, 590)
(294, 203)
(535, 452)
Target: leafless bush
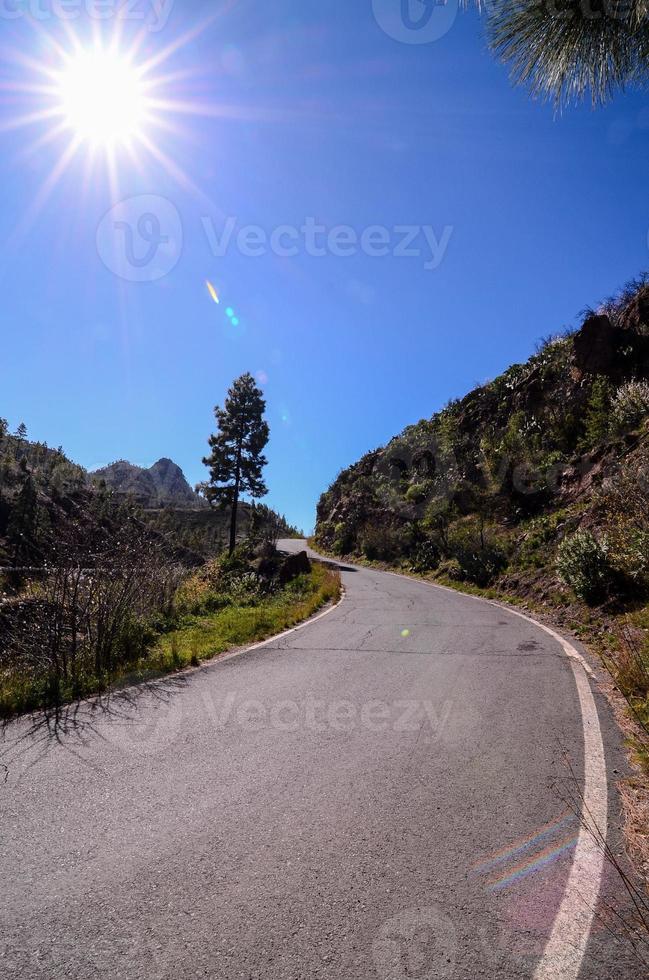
(89, 610)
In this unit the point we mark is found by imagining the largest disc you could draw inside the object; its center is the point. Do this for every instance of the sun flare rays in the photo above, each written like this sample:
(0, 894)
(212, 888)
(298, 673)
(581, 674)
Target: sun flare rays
(96, 97)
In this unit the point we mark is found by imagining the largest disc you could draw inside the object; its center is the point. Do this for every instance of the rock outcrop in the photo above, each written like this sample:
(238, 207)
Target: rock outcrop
(161, 485)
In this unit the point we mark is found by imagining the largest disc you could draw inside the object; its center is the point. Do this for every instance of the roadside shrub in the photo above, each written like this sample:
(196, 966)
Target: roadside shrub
(426, 557)
(246, 587)
(631, 404)
(629, 545)
(479, 556)
(344, 540)
(482, 565)
(583, 563)
(381, 543)
(452, 569)
(538, 538)
(232, 565)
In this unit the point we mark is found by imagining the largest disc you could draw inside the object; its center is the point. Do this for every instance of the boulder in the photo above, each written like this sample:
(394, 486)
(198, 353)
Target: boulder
(266, 567)
(294, 565)
(596, 346)
(600, 347)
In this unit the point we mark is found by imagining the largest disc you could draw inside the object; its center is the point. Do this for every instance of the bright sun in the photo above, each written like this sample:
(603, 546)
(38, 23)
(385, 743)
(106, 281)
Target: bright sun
(106, 100)
(101, 97)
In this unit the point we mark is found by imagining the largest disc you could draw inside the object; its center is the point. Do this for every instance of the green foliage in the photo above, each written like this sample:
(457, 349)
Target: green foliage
(417, 492)
(426, 557)
(621, 504)
(597, 416)
(583, 563)
(380, 543)
(537, 542)
(22, 528)
(451, 568)
(344, 539)
(440, 513)
(475, 549)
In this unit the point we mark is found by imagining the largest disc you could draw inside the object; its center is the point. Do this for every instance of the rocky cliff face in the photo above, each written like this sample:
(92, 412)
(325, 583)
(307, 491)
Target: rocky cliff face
(162, 485)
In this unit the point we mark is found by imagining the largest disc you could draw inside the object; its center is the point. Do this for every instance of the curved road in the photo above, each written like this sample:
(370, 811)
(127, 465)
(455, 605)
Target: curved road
(386, 792)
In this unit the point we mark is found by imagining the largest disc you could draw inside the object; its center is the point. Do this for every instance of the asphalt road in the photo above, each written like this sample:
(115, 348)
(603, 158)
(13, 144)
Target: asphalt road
(387, 792)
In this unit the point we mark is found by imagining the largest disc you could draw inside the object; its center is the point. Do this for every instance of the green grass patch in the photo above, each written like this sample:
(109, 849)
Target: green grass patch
(193, 639)
(199, 637)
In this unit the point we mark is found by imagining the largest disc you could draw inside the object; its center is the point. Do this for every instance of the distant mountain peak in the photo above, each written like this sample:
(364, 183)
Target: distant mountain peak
(161, 485)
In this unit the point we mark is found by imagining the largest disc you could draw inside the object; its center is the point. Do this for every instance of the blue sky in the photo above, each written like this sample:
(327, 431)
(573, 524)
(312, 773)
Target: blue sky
(315, 113)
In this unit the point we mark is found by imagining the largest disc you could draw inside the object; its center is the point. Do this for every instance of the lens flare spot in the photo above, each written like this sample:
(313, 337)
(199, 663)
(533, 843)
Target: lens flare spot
(229, 312)
(212, 291)
(405, 634)
(234, 321)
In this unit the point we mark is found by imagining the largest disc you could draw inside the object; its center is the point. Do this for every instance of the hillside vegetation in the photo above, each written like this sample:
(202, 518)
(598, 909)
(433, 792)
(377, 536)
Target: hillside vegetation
(535, 485)
(44, 495)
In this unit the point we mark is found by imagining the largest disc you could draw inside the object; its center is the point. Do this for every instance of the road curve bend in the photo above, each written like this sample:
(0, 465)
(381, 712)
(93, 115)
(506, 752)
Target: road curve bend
(392, 791)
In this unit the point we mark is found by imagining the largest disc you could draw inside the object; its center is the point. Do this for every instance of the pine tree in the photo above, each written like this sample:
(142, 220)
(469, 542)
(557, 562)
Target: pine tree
(563, 50)
(21, 432)
(23, 521)
(236, 460)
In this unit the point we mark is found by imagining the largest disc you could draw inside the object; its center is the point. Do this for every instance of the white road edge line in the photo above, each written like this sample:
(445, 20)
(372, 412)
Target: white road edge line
(566, 947)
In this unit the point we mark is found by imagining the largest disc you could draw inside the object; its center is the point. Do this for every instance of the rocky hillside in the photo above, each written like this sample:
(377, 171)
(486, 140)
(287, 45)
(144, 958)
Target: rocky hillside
(161, 485)
(550, 455)
(45, 498)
